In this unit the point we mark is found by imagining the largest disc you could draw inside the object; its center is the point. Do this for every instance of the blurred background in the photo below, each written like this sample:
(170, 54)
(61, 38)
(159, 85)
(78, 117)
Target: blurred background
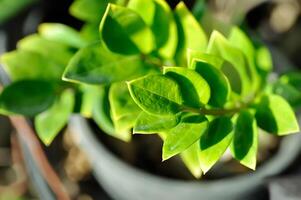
(276, 22)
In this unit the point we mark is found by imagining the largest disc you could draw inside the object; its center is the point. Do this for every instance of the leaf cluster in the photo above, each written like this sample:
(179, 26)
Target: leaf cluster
(140, 67)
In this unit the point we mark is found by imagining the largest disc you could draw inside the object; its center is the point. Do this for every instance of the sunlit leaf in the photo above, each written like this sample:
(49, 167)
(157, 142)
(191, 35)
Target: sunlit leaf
(191, 159)
(125, 32)
(50, 122)
(194, 89)
(187, 132)
(218, 83)
(62, 33)
(149, 124)
(95, 64)
(274, 115)
(245, 140)
(23, 64)
(124, 110)
(215, 141)
(190, 33)
(156, 94)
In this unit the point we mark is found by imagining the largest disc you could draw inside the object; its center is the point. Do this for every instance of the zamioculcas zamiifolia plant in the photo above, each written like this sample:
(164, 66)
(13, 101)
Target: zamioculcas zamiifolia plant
(140, 67)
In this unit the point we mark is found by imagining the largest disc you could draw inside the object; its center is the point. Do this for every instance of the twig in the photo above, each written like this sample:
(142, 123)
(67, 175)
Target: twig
(26, 132)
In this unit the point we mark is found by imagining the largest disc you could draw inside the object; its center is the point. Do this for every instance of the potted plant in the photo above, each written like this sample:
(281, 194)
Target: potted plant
(152, 70)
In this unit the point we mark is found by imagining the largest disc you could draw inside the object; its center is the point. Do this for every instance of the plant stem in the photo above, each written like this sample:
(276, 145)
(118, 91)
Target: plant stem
(216, 111)
(152, 60)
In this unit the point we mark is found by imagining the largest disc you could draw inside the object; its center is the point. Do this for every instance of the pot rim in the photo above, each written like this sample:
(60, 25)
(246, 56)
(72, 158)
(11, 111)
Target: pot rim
(288, 151)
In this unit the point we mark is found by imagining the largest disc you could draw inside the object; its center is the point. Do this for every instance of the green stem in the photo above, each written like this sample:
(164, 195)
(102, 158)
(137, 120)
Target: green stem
(214, 112)
(217, 111)
(152, 60)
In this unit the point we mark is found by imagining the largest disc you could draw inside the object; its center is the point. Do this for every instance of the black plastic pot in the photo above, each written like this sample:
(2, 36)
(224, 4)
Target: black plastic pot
(124, 182)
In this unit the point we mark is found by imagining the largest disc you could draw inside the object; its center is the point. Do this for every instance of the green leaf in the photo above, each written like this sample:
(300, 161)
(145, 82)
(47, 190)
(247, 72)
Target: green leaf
(187, 132)
(191, 35)
(50, 122)
(292, 78)
(23, 64)
(89, 32)
(149, 124)
(169, 48)
(124, 110)
(101, 111)
(62, 33)
(235, 67)
(274, 115)
(96, 65)
(55, 51)
(156, 94)
(158, 16)
(215, 141)
(125, 32)
(203, 57)
(27, 97)
(89, 96)
(245, 140)
(121, 101)
(191, 159)
(145, 9)
(88, 10)
(288, 92)
(264, 59)
(219, 84)
(241, 41)
(194, 89)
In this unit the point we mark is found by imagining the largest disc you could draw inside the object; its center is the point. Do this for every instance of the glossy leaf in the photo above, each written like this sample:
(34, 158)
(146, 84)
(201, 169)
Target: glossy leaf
(23, 64)
(187, 132)
(27, 97)
(191, 159)
(158, 15)
(245, 140)
(125, 32)
(191, 35)
(62, 33)
(236, 67)
(124, 110)
(203, 57)
(89, 32)
(89, 96)
(149, 124)
(156, 94)
(96, 65)
(274, 115)
(50, 122)
(55, 51)
(101, 111)
(218, 83)
(169, 48)
(215, 141)
(146, 9)
(292, 78)
(194, 89)
(88, 10)
(288, 92)
(241, 41)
